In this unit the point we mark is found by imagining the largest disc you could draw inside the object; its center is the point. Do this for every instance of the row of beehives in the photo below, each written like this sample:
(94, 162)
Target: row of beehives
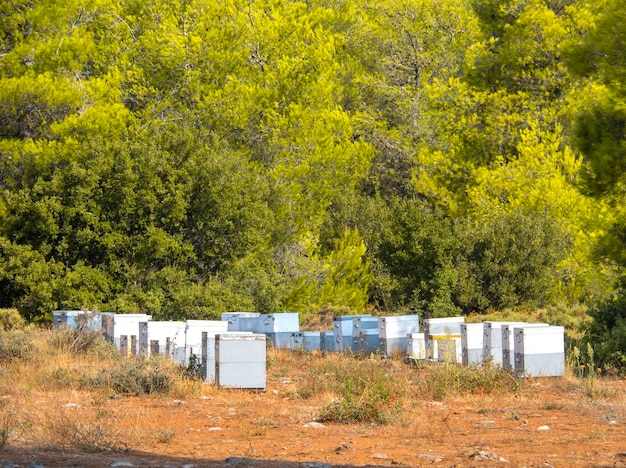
(537, 349)
(227, 358)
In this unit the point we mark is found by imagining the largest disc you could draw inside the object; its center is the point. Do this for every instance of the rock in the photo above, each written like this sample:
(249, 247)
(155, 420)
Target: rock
(179, 402)
(315, 465)
(486, 422)
(380, 456)
(122, 463)
(431, 458)
(315, 425)
(213, 429)
(70, 405)
(543, 428)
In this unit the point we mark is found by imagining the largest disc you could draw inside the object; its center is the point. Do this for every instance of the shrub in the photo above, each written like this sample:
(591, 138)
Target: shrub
(143, 375)
(10, 319)
(16, 344)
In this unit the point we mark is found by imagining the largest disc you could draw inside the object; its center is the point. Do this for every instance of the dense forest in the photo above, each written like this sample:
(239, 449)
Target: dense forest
(189, 157)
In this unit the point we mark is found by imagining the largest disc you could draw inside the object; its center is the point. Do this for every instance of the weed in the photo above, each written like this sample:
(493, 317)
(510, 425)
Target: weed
(97, 433)
(586, 370)
(6, 417)
(371, 396)
(164, 436)
(144, 375)
(16, 344)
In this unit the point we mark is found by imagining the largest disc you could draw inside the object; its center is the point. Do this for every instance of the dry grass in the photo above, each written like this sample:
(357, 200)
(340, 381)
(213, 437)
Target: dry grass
(56, 391)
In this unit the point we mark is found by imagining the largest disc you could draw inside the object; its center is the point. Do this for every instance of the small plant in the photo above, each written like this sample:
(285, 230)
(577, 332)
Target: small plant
(164, 436)
(586, 370)
(5, 423)
(98, 433)
(194, 368)
(369, 397)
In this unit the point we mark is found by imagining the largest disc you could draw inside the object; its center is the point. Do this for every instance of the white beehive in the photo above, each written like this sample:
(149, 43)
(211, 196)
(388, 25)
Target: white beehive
(193, 335)
(440, 328)
(393, 333)
(207, 353)
(492, 341)
(416, 346)
(539, 351)
(165, 338)
(508, 348)
(240, 361)
(117, 325)
(472, 343)
(449, 349)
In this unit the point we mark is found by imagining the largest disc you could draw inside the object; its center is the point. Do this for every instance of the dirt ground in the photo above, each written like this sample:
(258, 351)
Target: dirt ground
(550, 422)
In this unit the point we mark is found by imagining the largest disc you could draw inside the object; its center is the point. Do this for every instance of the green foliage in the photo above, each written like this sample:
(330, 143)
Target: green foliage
(418, 250)
(144, 375)
(366, 392)
(607, 334)
(16, 344)
(508, 261)
(11, 319)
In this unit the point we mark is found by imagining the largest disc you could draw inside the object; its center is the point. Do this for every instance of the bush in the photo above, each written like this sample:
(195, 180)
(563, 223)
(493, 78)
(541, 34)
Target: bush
(16, 344)
(367, 394)
(10, 319)
(607, 334)
(143, 375)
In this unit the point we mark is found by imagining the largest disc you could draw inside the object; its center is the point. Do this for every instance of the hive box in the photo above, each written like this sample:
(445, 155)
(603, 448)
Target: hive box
(366, 341)
(448, 349)
(393, 332)
(440, 328)
(327, 341)
(508, 349)
(240, 361)
(306, 341)
(207, 353)
(492, 341)
(472, 343)
(365, 337)
(416, 346)
(116, 325)
(193, 335)
(77, 318)
(233, 318)
(165, 338)
(277, 327)
(539, 351)
(343, 329)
